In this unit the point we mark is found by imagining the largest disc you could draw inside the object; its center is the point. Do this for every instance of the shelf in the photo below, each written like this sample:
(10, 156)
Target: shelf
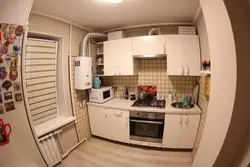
(207, 72)
(99, 54)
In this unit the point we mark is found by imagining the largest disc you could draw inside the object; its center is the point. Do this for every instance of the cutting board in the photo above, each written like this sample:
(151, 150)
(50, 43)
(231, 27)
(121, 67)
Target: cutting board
(195, 98)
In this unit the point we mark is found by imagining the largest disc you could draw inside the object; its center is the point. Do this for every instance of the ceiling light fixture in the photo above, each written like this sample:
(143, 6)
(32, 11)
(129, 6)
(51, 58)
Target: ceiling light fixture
(113, 1)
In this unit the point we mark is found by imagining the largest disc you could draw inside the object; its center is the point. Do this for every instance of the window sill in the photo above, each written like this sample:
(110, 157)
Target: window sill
(52, 125)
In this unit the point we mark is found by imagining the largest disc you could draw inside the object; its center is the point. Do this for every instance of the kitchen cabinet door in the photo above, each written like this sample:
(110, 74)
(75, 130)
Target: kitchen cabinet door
(172, 130)
(149, 45)
(118, 125)
(175, 56)
(118, 58)
(98, 121)
(192, 55)
(110, 58)
(183, 55)
(189, 129)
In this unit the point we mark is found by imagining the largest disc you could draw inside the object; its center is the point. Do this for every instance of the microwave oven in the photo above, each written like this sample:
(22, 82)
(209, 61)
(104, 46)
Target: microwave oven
(101, 95)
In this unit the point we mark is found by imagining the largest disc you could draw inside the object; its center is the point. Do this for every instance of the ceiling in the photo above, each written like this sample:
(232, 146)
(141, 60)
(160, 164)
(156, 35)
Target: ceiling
(99, 15)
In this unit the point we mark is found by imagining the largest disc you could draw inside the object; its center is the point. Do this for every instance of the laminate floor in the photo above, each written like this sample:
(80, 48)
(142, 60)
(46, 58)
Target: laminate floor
(100, 153)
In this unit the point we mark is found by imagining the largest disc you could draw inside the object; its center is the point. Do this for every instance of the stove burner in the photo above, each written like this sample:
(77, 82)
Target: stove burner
(157, 103)
(149, 102)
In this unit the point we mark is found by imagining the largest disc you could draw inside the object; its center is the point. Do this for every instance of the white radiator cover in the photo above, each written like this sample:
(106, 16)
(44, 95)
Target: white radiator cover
(50, 150)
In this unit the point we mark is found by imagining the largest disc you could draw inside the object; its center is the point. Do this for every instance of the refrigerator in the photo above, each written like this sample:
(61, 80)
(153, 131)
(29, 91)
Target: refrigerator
(18, 146)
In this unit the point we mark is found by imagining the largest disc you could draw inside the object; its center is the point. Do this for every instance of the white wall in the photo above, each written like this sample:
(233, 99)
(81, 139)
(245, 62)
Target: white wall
(223, 83)
(15, 11)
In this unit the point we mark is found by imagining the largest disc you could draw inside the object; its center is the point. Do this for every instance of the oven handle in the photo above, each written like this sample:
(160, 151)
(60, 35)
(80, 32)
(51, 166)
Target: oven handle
(153, 122)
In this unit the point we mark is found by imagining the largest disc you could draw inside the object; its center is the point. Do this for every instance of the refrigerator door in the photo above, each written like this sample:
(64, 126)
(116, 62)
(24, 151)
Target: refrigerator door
(21, 148)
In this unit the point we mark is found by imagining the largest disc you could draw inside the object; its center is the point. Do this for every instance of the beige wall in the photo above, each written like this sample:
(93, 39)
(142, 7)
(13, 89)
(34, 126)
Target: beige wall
(45, 25)
(203, 101)
(223, 82)
(202, 32)
(79, 96)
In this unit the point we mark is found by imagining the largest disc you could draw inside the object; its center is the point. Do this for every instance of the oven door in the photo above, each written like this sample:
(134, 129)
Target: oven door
(148, 130)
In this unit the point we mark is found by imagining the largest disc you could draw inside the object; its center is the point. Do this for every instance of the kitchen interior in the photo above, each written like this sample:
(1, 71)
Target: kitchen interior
(116, 94)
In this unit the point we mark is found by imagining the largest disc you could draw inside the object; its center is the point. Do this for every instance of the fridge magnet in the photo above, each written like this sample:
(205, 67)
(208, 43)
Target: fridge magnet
(11, 29)
(6, 85)
(5, 130)
(0, 36)
(8, 96)
(1, 100)
(17, 86)
(7, 43)
(1, 110)
(1, 60)
(14, 54)
(16, 48)
(19, 31)
(3, 72)
(9, 106)
(18, 97)
(13, 74)
(7, 59)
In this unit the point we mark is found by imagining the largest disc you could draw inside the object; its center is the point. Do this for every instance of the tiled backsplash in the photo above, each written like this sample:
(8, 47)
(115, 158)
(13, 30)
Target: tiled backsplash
(152, 72)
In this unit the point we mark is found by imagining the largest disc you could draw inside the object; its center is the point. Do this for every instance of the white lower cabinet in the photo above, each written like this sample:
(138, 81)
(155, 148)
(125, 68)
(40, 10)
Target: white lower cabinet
(109, 123)
(180, 130)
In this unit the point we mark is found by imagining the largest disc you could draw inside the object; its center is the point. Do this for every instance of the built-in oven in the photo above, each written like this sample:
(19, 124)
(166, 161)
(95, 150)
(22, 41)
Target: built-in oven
(146, 126)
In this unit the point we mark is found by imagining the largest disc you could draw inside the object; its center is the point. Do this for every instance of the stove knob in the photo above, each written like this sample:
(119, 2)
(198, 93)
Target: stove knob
(146, 115)
(138, 114)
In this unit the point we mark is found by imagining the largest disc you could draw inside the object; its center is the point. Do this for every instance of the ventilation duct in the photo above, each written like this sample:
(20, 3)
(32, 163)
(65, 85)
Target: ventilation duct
(86, 39)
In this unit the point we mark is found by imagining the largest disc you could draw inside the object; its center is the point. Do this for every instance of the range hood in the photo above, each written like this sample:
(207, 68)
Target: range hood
(150, 56)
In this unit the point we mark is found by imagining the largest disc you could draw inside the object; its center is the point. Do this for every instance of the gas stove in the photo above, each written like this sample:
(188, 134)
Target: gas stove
(150, 102)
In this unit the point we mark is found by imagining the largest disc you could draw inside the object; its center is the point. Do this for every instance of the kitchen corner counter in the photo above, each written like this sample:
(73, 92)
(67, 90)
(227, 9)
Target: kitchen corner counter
(122, 104)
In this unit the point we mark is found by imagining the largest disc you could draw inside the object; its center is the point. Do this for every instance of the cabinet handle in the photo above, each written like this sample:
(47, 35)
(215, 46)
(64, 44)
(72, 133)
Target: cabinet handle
(106, 115)
(180, 120)
(186, 119)
(126, 122)
(164, 48)
(187, 70)
(182, 70)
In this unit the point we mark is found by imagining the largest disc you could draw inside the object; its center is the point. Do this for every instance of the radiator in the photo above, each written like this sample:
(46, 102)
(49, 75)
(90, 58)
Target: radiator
(50, 150)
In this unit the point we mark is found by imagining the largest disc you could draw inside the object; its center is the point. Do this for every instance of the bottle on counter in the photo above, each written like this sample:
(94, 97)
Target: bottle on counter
(175, 98)
(170, 97)
(126, 93)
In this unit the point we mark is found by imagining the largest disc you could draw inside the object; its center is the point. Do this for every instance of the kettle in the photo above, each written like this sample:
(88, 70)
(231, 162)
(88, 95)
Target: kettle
(97, 82)
(4, 134)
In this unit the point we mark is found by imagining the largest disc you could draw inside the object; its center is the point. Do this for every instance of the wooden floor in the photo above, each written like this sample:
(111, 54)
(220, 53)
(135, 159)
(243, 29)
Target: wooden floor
(101, 153)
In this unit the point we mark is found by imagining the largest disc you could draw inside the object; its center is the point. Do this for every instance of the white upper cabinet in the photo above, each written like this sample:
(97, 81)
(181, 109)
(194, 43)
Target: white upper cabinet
(118, 57)
(183, 55)
(147, 45)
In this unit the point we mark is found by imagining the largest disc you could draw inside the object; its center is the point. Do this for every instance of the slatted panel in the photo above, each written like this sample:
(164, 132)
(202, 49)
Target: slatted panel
(40, 67)
(42, 104)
